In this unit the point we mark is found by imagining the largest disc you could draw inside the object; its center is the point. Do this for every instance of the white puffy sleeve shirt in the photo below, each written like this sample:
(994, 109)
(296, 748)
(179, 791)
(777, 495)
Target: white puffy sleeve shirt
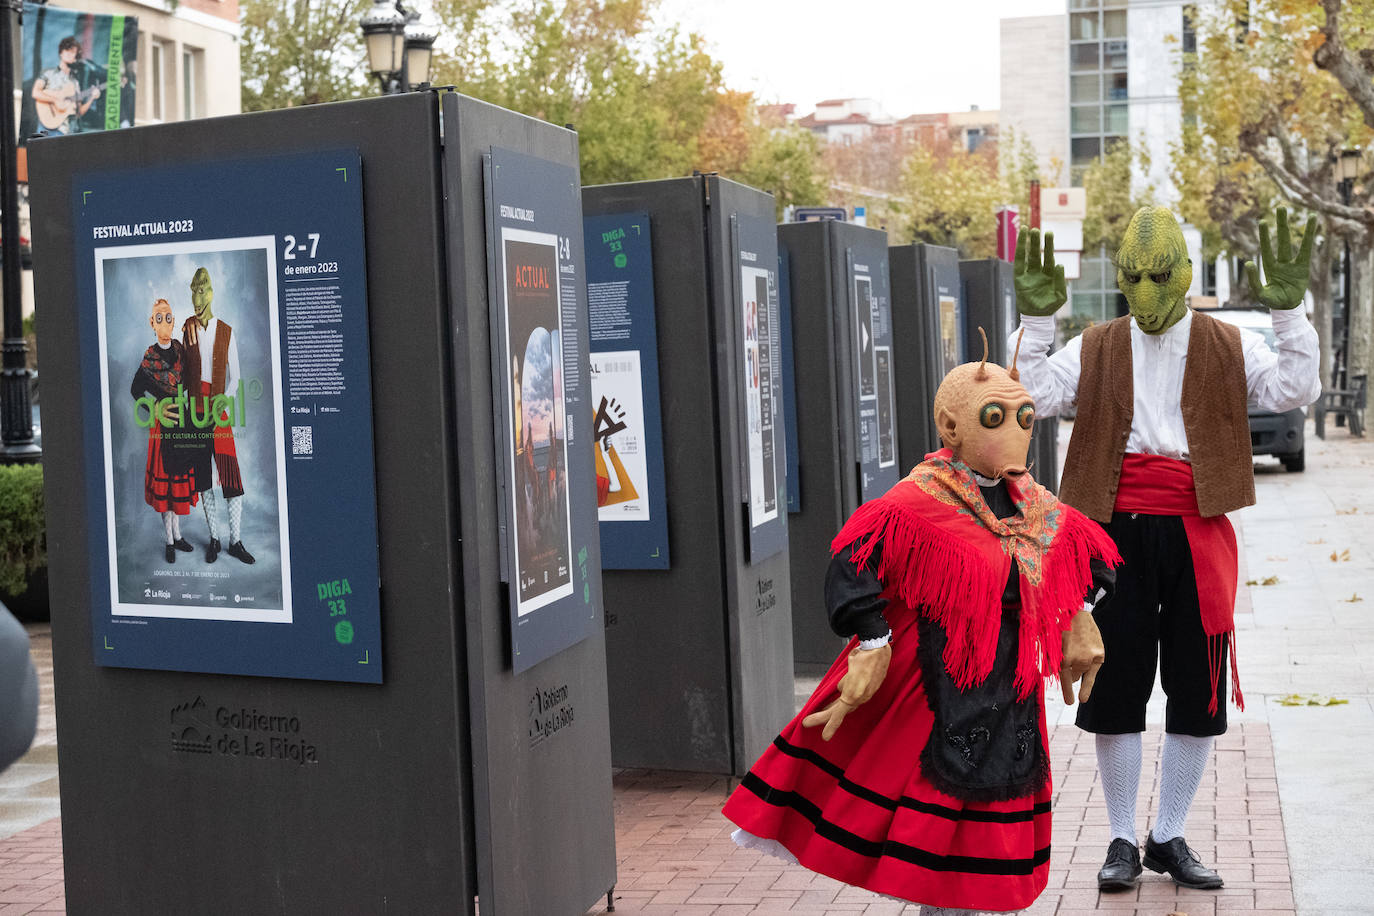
(1274, 381)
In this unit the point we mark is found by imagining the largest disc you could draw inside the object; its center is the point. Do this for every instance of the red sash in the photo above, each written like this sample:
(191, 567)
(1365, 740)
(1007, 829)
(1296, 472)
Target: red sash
(1155, 485)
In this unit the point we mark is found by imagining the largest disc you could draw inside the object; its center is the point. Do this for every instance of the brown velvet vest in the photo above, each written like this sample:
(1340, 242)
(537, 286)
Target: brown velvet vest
(1216, 419)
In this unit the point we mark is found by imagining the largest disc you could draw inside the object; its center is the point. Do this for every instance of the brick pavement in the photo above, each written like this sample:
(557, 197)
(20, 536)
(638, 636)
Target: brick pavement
(675, 854)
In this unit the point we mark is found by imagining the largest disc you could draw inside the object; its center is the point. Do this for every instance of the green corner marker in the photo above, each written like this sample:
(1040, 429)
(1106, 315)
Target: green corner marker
(345, 171)
(85, 196)
(367, 656)
(107, 644)
(343, 632)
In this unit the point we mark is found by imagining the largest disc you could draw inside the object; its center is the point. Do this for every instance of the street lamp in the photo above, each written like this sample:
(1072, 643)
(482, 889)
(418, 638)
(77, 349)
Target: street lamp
(399, 46)
(16, 410)
(1347, 170)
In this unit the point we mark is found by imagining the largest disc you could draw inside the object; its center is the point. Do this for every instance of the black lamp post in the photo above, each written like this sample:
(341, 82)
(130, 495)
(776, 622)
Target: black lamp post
(1347, 170)
(399, 46)
(16, 410)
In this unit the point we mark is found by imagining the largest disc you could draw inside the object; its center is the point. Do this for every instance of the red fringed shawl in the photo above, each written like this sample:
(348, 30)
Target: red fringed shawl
(946, 556)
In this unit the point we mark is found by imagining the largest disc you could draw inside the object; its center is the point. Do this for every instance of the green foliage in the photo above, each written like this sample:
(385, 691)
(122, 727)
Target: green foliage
(1111, 203)
(300, 52)
(950, 200)
(23, 528)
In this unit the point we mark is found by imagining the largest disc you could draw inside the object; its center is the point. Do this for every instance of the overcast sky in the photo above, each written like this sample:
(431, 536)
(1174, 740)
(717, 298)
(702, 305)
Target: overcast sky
(913, 56)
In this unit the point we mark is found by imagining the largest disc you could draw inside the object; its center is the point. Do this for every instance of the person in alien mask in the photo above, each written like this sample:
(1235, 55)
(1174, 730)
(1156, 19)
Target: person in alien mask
(212, 369)
(1160, 452)
(919, 768)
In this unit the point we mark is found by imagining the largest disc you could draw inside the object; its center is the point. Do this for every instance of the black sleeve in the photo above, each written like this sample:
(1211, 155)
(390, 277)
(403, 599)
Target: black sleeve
(852, 596)
(1104, 580)
(142, 383)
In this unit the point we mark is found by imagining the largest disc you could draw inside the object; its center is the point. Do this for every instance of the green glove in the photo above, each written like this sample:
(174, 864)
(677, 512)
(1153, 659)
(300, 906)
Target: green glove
(1287, 275)
(1040, 287)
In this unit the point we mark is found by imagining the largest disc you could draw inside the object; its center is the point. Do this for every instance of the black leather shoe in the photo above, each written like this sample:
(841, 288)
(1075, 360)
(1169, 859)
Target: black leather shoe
(170, 553)
(182, 545)
(239, 552)
(1180, 862)
(212, 550)
(1121, 871)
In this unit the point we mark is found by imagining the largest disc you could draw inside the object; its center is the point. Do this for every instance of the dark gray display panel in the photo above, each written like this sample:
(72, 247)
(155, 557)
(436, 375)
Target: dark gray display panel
(927, 323)
(541, 749)
(846, 418)
(699, 656)
(295, 770)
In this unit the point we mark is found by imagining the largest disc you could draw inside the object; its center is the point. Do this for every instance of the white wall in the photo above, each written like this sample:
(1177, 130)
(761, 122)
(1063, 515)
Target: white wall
(1035, 87)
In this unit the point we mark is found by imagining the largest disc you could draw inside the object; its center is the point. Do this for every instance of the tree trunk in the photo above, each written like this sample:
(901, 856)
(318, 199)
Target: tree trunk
(1323, 290)
(1361, 309)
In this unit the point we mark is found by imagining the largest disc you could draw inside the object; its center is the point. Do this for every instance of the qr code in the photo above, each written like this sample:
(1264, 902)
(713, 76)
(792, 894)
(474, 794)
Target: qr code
(302, 440)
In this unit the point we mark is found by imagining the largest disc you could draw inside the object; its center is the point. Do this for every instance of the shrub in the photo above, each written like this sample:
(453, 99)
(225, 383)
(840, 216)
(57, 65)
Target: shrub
(23, 531)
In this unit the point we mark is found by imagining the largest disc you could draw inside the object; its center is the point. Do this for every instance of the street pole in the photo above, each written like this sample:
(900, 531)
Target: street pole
(16, 410)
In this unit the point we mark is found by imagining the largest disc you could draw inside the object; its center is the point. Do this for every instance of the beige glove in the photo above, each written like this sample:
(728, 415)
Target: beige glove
(1083, 655)
(867, 668)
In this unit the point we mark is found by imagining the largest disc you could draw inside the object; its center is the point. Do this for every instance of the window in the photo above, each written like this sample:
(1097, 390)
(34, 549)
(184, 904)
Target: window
(1085, 88)
(1116, 87)
(1085, 57)
(1085, 119)
(192, 67)
(1083, 4)
(157, 68)
(1117, 120)
(1082, 25)
(1114, 24)
(975, 138)
(1084, 150)
(1114, 52)
(1189, 41)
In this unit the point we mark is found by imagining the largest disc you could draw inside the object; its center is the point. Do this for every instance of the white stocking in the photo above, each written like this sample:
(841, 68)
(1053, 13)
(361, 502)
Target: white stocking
(1181, 767)
(210, 503)
(1118, 762)
(169, 526)
(235, 516)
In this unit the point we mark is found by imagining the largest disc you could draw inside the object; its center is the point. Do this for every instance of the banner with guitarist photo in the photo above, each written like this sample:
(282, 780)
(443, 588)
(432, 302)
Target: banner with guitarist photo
(79, 71)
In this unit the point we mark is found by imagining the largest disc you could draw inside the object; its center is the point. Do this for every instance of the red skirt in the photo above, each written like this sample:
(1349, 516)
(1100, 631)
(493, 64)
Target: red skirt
(857, 807)
(161, 489)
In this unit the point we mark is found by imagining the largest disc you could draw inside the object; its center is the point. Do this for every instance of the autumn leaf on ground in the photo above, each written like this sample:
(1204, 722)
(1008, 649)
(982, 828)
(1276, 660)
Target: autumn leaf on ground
(1318, 541)
(1277, 559)
(1342, 557)
(1353, 598)
(1351, 511)
(1310, 699)
(1267, 580)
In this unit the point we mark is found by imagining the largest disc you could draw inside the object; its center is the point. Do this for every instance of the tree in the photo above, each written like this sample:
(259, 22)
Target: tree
(1268, 89)
(299, 52)
(1112, 198)
(950, 200)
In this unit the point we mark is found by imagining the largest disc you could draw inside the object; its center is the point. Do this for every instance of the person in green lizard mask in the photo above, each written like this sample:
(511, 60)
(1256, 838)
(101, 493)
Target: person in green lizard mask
(1160, 452)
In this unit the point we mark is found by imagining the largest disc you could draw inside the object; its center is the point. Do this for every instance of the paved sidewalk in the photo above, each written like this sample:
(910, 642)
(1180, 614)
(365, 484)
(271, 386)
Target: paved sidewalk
(1286, 810)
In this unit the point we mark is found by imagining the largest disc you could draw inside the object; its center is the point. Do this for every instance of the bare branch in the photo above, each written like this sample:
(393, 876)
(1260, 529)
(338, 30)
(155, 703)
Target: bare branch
(1346, 67)
(1299, 190)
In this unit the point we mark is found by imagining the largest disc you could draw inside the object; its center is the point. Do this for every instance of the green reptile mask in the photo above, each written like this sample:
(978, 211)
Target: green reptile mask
(1153, 269)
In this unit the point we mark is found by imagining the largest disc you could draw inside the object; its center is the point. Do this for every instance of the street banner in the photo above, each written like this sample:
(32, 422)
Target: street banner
(231, 417)
(632, 504)
(78, 71)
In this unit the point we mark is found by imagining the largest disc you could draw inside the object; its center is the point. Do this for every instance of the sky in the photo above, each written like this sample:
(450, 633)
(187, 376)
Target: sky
(913, 56)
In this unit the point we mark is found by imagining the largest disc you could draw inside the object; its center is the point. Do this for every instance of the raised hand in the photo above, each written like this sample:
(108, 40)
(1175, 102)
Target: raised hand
(1286, 275)
(867, 669)
(1040, 288)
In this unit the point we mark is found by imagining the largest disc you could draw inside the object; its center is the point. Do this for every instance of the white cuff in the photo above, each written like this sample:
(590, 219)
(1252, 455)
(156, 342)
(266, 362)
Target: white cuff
(876, 642)
(1286, 321)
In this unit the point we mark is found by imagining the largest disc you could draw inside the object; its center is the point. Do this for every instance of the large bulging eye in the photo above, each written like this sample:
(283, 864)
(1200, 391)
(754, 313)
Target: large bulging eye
(1132, 278)
(1162, 278)
(1025, 416)
(991, 415)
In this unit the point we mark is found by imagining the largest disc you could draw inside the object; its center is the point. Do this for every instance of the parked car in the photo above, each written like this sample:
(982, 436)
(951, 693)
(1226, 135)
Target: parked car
(1277, 434)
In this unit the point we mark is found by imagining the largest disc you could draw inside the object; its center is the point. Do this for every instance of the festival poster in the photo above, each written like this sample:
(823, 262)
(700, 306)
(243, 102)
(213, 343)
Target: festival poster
(166, 455)
(949, 333)
(226, 394)
(887, 446)
(759, 398)
(78, 71)
(631, 493)
(622, 468)
(539, 452)
(863, 305)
